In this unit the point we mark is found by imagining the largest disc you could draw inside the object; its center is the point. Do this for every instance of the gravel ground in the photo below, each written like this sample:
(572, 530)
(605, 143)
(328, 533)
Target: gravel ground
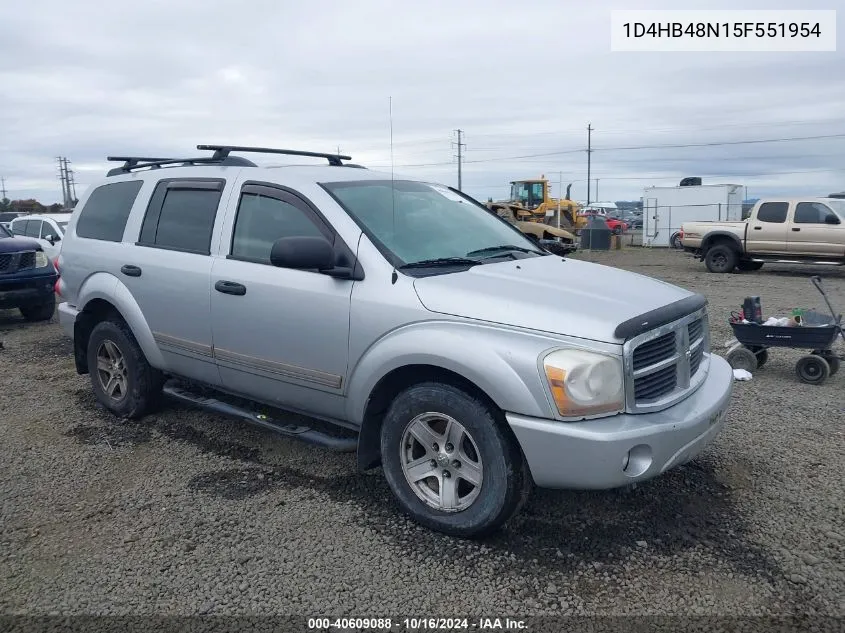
(186, 512)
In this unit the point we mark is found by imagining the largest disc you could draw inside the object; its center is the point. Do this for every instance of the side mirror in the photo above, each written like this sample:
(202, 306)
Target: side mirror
(831, 219)
(302, 253)
(52, 238)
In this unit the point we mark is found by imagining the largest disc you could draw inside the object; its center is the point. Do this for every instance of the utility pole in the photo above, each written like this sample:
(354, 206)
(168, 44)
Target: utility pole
(71, 185)
(597, 189)
(63, 179)
(589, 156)
(461, 145)
(2, 188)
(559, 195)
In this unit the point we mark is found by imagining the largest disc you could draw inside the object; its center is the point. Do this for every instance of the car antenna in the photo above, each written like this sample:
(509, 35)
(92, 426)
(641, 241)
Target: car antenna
(395, 275)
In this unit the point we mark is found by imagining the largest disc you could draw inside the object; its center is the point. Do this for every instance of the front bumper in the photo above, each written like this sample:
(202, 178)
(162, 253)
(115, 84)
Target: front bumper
(30, 291)
(616, 451)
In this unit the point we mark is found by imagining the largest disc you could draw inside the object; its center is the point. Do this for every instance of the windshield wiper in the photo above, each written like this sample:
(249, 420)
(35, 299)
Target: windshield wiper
(442, 261)
(503, 248)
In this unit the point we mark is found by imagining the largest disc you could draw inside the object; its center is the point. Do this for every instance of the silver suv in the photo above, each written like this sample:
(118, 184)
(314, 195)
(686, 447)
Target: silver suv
(439, 341)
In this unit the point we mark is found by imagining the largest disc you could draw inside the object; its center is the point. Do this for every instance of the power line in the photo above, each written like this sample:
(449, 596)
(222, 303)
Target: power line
(630, 147)
(720, 143)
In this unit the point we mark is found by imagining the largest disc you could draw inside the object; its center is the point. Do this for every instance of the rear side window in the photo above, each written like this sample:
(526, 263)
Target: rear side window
(262, 220)
(181, 215)
(105, 213)
(811, 213)
(19, 227)
(33, 228)
(774, 212)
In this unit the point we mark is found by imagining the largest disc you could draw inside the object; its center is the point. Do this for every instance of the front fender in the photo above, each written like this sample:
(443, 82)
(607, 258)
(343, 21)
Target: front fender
(109, 288)
(502, 363)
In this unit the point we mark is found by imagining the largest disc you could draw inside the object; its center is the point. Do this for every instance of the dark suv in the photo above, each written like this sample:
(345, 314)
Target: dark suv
(27, 278)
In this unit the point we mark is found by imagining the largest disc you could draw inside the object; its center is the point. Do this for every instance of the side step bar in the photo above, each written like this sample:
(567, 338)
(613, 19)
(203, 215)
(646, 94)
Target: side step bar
(795, 261)
(303, 433)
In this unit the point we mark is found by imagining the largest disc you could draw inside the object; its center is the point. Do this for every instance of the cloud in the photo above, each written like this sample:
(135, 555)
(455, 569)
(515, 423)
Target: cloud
(88, 79)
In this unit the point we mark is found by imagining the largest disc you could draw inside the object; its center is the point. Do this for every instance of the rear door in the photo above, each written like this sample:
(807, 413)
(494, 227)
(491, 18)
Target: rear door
(169, 268)
(816, 231)
(767, 230)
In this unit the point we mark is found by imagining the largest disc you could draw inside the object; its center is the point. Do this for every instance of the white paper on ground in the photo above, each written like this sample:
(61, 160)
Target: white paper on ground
(742, 374)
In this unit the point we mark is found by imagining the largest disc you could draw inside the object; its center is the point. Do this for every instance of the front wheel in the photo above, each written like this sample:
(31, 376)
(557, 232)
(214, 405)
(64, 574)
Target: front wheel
(41, 312)
(743, 358)
(451, 461)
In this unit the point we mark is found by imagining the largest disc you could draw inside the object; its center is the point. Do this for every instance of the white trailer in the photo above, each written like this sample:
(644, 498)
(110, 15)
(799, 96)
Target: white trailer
(665, 209)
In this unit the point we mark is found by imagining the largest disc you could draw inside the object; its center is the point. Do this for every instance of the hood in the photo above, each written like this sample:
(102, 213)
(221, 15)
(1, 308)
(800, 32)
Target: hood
(568, 297)
(15, 244)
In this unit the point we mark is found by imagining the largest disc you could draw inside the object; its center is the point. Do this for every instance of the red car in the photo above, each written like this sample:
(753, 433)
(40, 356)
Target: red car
(617, 227)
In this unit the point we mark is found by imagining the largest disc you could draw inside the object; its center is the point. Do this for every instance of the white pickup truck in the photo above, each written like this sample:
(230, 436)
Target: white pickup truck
(786, 231)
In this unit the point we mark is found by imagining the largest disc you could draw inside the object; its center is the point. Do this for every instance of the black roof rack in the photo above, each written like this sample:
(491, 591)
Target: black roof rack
(220, 157)
(131, 163)
(222, 151)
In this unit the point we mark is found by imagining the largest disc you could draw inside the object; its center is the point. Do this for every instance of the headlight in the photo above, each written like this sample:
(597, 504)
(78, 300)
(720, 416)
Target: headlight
(584, 383)
(41, 259)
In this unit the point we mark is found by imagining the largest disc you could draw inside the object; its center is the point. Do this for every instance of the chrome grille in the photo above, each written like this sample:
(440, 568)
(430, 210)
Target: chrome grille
(655, 350)
(664, 365)
(655, 385)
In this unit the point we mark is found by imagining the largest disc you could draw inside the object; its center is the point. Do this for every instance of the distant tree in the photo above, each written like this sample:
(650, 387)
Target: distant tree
(55, 208)
(5, 205)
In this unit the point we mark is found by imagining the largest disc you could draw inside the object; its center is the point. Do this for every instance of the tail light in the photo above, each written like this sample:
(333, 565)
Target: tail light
(56, 288)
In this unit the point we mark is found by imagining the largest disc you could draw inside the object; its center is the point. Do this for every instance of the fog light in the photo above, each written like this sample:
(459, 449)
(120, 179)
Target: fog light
(637, 460)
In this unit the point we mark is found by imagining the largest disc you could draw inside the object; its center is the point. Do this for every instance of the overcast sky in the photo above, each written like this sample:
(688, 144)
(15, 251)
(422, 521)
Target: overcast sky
(87, 78)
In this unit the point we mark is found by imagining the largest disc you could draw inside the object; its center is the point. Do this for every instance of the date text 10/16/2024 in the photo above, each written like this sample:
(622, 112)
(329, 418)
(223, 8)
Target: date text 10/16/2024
(419, 624)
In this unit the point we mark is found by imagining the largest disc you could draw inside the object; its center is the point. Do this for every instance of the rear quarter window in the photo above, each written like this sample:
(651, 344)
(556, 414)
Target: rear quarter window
(106, 211)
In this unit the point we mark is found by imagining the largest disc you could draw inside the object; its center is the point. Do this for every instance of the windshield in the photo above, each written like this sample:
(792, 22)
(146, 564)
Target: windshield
(4, 232)
(430, 221)
(62, 226)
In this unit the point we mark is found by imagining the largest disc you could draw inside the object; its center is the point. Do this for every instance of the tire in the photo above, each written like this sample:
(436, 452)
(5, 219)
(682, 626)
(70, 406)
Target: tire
(812, 369)
(676, 242)
(140, 387)
(721, 258)
(743, 358)
(486, 445)
(41, 312)
(749, 266)
(832, 361)
(762, 355)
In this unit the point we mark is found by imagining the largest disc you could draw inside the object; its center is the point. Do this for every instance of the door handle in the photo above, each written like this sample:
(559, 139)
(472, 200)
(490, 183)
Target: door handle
(230, 288)
(795, 228)
(130, 271)
(758, 228)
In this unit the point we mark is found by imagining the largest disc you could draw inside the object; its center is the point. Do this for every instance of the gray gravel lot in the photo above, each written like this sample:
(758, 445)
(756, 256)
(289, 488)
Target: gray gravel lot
(186, 512)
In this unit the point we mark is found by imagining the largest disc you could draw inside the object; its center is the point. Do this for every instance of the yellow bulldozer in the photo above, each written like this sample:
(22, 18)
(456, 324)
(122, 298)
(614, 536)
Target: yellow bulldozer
(535, 213)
